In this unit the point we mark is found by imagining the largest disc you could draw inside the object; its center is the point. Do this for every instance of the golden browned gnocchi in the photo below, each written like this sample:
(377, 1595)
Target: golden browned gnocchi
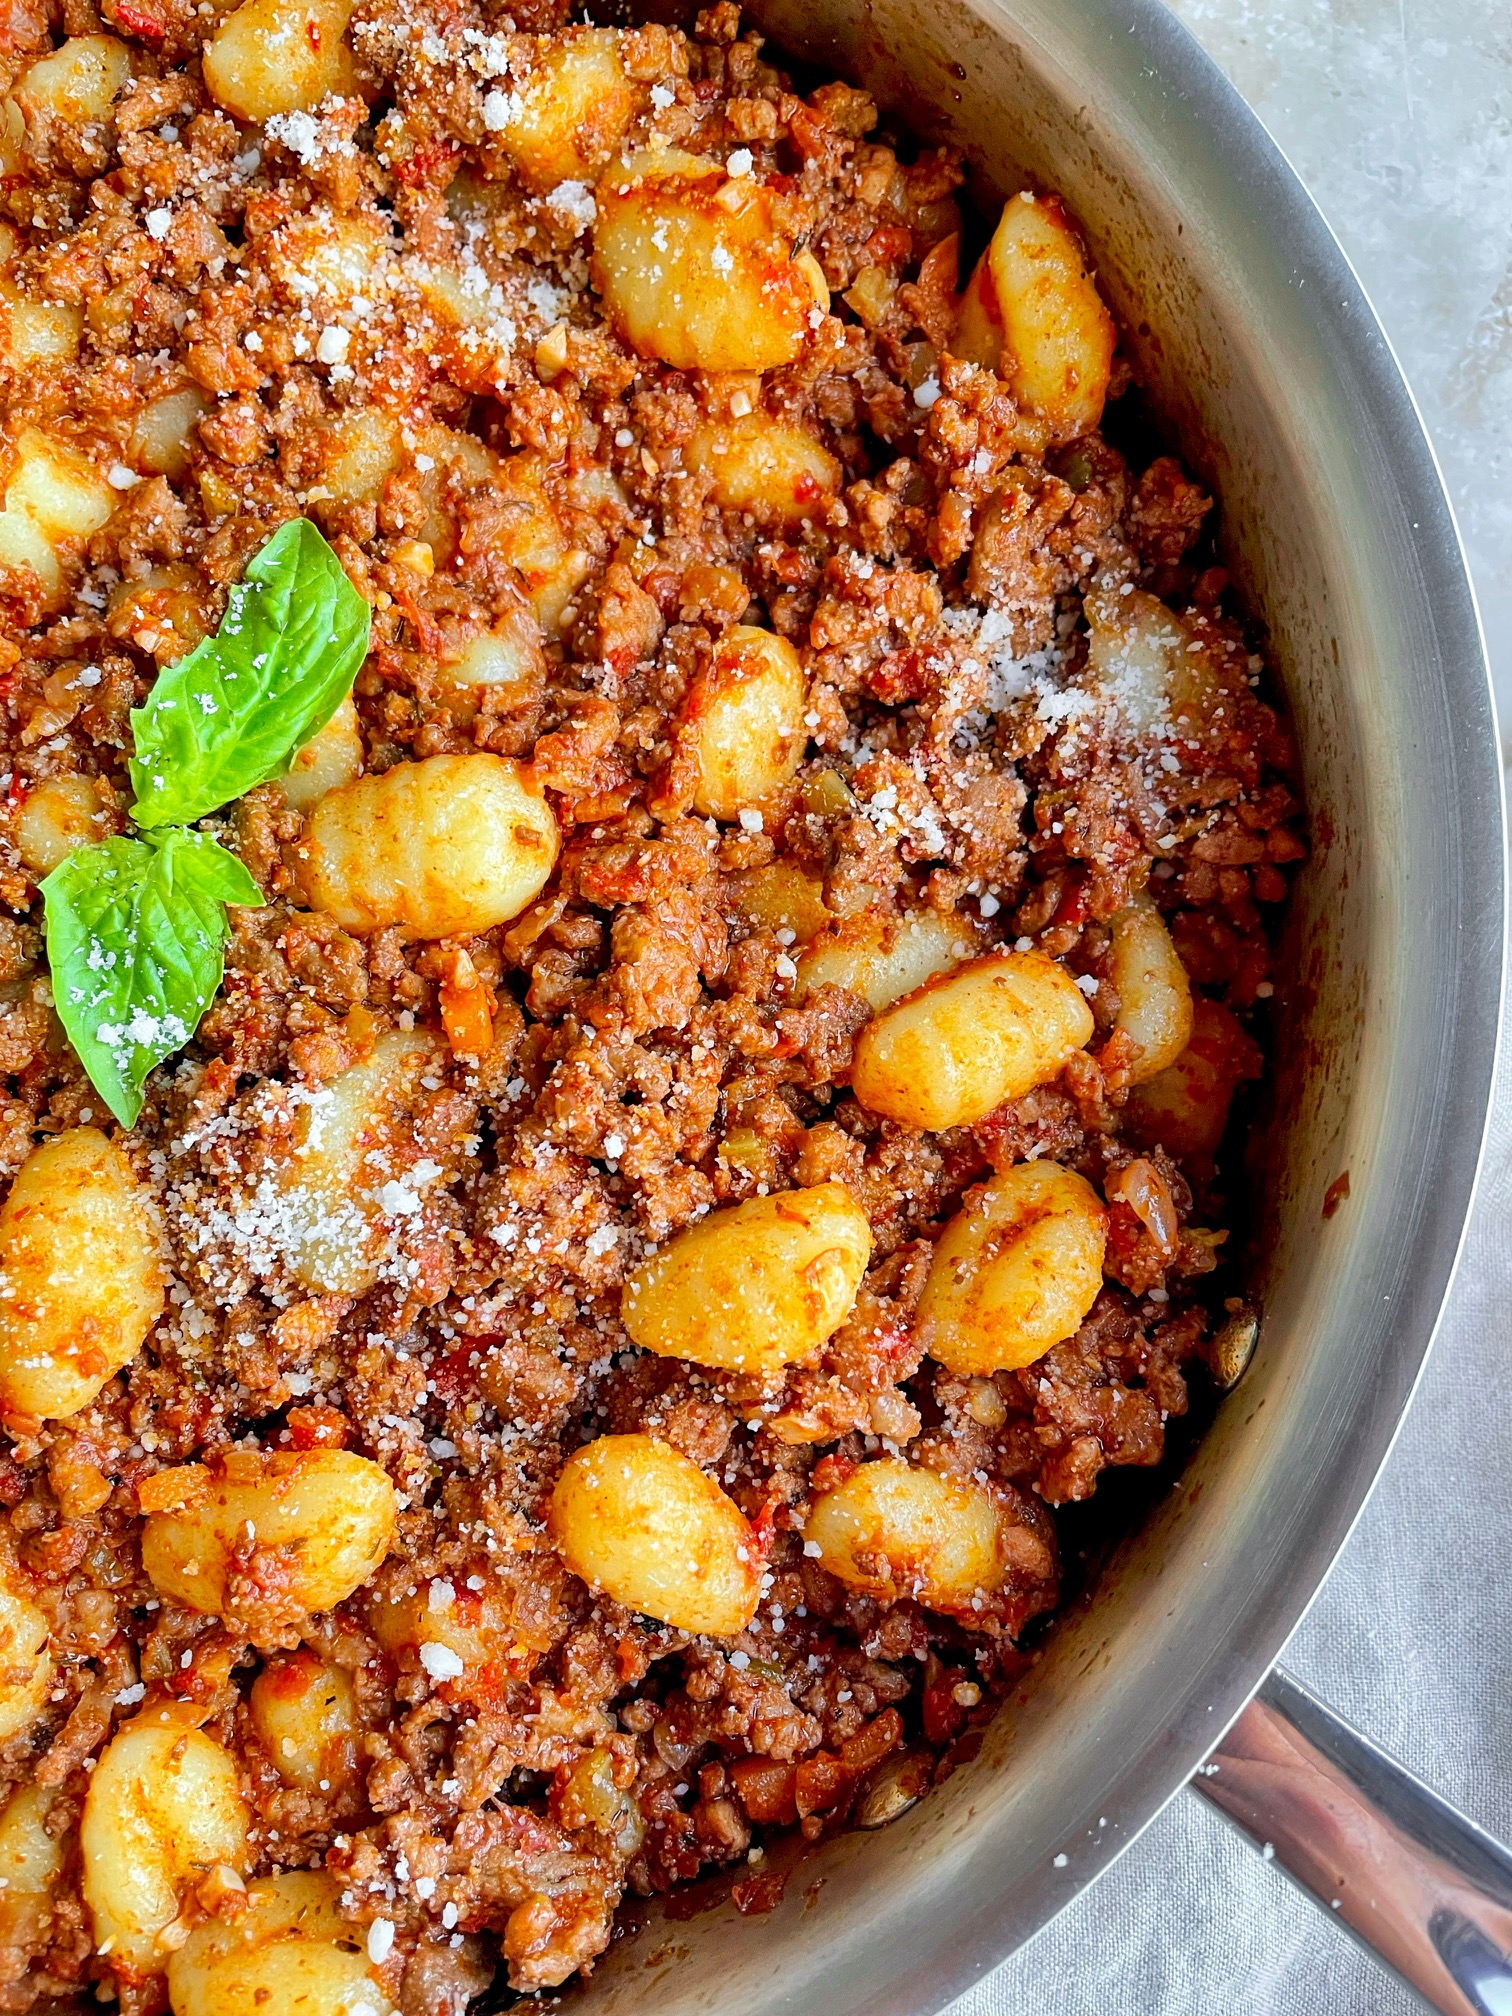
(1032, 313)
(289, 1953)
(883, 958)
(163, 1812)
(895, 1530)
(563, 119)
(54, 499)
(79, 82)
(743, 722)
(640, 1521)
(305, 1715)
(26, 1664)
(756, 1286)
(276, 56)
(693, 270)
(782, 898)
(1154, 995)
(57, 816)
(31, 1864)
(964, 1042)
(775, 470)
(1014, 1271)
(442, 848)
(81, 1283)
(325, 1516)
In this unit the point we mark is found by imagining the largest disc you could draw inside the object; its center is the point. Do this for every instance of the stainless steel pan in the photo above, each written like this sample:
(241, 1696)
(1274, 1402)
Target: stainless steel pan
(1262, 354)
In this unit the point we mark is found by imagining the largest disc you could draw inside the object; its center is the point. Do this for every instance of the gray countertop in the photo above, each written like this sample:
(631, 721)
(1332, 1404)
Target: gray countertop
(1398, 116)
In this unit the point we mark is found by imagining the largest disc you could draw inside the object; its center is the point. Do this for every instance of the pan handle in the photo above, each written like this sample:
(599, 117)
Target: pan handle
(1420, 1886)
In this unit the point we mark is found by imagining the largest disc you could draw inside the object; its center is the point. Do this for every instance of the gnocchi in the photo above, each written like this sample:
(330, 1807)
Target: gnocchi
(332, 757)
(961, 1044)
(894, 1530)
(54, 500)
(274, 56)
(305, 1715)
(164, 1809)
(81, 1283)
(692, 270)
(162, 436)
(743, 722)
(57, 816)
(505, 661)
(776, 471)
(290, 1953)
(883, 958)
(79, 82)
(1015, 1270)
(444, 848)
(1032, 313)
(753, 1287)
(31, 1863)
(1185, 1107)
(1166, 684)
(781, 897)
(472, 1624)
(640, 1521)
(26, 1664)
(327, 1516)
(1154, 995)
(564, 118)
(38, 333)
(331, 1224)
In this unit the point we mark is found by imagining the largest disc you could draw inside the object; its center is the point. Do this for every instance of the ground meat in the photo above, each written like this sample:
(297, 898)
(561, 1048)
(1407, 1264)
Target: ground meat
(378, 312)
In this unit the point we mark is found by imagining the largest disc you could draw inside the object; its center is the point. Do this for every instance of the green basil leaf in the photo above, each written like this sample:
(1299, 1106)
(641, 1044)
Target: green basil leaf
(231, 714)
(136, 938)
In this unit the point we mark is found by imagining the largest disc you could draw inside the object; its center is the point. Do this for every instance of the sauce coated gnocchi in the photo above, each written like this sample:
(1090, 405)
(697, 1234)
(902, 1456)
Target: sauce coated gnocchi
(640, 1521)
(692, 269)
(322, 1522)
(894, 1530)
(289, 1953)
(164, 1811)
(756, 1286)
(81, 1284)
(1015, 1271)
(967, 1040)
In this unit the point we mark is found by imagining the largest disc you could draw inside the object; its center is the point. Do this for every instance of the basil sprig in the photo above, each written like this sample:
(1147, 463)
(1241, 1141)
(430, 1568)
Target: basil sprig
(229, 715)
(136, 939)
(137, 929)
